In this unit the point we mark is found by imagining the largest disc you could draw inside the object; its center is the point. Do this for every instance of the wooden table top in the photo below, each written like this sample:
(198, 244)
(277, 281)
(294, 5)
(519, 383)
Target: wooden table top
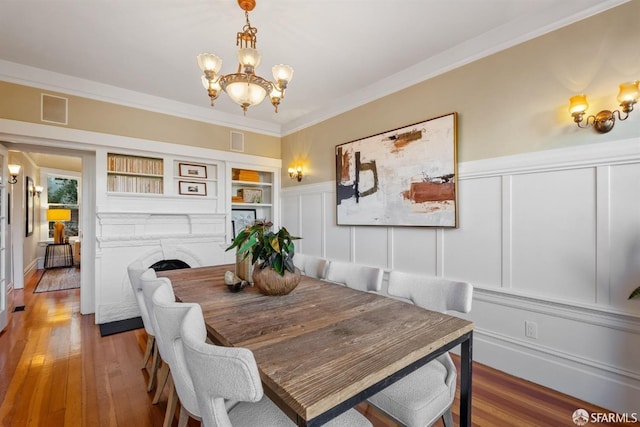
(323, 343)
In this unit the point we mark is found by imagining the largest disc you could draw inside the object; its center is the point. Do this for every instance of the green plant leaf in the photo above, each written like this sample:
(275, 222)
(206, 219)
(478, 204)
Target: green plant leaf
(635, 294)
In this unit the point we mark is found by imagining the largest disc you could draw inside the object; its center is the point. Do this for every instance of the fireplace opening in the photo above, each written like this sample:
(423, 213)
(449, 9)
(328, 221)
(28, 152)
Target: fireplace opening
(169, 264)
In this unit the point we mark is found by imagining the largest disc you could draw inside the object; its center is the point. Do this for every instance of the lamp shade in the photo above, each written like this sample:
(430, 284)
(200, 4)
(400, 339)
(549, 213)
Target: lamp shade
(209, 62)
(629, 92)
(245, 93)
(58, 214)
(282, 73)
(578, 104)
(14, 169)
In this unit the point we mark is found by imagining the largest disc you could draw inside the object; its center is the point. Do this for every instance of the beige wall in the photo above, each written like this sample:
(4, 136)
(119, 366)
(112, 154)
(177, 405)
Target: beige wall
(23, 103)
(511, 102)
(18, 206)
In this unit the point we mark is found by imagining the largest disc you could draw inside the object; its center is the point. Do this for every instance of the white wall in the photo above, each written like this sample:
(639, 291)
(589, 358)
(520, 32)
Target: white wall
(550, 237)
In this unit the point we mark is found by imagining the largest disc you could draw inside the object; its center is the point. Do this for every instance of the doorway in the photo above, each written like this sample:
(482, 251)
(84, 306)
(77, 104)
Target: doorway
(42, 162)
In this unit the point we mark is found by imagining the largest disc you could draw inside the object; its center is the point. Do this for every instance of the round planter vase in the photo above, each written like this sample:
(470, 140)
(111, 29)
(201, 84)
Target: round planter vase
(269, 282)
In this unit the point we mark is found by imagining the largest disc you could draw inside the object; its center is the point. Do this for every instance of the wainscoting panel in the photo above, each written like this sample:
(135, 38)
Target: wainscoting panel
(311, 208)
(414, 250)
(553, 233)
(473, 252)
(624, 253)
(550, 237)
(338, 241)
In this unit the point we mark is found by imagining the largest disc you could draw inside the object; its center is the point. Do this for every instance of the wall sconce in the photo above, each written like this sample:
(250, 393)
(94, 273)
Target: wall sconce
(603, 121)
(296, 173)
(14, 170)
(39, 189)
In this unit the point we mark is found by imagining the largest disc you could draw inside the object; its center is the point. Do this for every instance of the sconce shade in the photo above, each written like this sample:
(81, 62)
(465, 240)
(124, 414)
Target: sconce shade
(58, 215)
(578, 104)
(14, 169)
(629, 92)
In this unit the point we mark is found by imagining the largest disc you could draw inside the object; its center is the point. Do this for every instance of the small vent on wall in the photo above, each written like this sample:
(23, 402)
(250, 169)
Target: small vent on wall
(237, 141)
(53, 109)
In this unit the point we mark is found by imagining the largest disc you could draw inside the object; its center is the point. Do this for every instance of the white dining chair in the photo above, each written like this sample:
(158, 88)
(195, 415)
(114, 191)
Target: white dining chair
(149, 282)
(167, 315)
(134, 271)
(355, 276)
(310, 265)
(425, 395)
(221, 373)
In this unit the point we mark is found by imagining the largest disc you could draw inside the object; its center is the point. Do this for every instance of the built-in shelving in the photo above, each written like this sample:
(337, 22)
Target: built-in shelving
(134, 174)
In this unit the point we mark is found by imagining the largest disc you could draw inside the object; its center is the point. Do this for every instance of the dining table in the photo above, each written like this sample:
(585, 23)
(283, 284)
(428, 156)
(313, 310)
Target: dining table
(324, 348)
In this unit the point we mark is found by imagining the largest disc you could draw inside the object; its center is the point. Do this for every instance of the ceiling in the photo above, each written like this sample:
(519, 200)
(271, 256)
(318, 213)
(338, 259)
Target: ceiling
(345, 53)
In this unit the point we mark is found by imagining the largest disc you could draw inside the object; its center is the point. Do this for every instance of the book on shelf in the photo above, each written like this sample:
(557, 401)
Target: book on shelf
(246, 175)
(134, 164)
(134, 184)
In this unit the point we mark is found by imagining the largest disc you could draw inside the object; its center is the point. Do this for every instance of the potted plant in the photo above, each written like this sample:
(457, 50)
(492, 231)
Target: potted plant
(635, 294)
(271, 255)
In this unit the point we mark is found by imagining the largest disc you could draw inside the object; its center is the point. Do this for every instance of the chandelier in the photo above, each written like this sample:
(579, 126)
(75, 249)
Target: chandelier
(244, 87)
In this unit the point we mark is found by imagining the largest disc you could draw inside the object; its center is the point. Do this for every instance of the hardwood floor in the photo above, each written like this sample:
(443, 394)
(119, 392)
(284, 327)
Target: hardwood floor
(56, 370)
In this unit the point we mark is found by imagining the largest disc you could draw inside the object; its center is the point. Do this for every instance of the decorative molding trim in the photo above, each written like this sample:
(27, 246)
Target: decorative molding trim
(13, 131)
(48, 80)
(605, 153)
(583, 313)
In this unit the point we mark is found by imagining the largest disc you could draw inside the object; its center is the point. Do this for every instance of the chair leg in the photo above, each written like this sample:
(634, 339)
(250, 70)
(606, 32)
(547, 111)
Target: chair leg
(163, 377)
(184, 417)
(151, 340)
(447, 418)
(154, 369)
(171, 405)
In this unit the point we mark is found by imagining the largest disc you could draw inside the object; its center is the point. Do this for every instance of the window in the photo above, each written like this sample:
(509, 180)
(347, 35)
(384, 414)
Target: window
(62, 192)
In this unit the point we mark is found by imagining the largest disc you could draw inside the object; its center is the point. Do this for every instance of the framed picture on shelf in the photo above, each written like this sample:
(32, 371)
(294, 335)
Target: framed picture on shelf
(192, 188)
(192, 171)
(241, 218)
(250, 195)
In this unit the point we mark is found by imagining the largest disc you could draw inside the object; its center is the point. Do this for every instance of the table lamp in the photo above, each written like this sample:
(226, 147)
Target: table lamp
(58, 215)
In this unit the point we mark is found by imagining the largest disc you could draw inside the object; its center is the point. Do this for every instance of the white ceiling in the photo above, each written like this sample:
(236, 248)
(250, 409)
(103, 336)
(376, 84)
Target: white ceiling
(345, 52)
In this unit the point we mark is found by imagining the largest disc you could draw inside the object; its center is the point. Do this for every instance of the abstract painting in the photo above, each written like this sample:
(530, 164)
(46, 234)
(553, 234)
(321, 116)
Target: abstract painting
(402, 177)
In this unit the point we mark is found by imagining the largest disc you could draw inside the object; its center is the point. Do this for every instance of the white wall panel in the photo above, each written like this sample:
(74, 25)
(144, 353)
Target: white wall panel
(371, 246)
(338, 240)
(312, 223)
(625, 233)
(554, 234)
(414, 250)
(290, 215)
(473, 252)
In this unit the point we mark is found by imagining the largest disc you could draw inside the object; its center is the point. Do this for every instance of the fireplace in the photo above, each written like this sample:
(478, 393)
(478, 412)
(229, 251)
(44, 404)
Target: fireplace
(160, 241)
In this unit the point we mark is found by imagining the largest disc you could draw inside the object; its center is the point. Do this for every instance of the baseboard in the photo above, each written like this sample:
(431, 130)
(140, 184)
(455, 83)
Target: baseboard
(581, 379)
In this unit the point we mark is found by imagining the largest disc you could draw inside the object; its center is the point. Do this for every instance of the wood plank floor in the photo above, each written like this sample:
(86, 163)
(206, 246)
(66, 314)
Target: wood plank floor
(56, 370)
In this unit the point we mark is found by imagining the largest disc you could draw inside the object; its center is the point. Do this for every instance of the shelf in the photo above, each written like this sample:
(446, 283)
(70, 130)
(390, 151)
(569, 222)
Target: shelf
(145, 175)
(251, 205)
(252, 183)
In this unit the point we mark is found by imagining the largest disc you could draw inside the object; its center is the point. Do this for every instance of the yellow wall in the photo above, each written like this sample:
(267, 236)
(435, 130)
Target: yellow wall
(22, 103)
(514, 101)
